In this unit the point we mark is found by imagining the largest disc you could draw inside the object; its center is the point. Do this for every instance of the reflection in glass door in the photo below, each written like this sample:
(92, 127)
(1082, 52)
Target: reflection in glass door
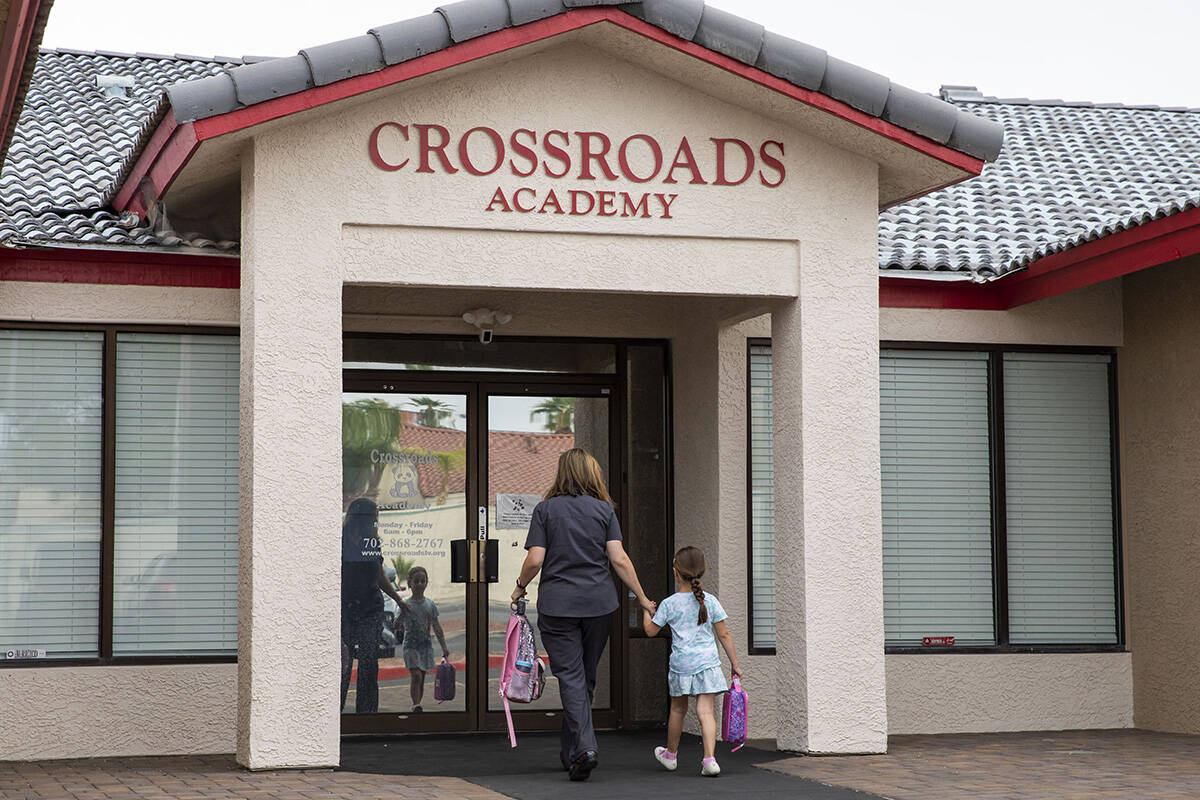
(406, 456)
(525, 435)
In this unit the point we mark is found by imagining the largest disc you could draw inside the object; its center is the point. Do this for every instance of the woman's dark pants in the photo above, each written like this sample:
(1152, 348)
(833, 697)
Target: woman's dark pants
(360, 639)
(575, 645)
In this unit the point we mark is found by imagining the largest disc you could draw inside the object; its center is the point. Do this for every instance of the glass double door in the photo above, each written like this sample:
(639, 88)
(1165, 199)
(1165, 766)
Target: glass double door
(453, 471)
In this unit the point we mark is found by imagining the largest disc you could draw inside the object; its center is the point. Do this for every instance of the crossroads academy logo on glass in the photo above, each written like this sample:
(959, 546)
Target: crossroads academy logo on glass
(577, 155)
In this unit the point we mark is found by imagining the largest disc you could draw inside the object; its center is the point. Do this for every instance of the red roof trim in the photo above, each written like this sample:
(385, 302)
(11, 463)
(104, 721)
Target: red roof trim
(1103, 259)
(164, 163)
(14, 47)
(70, 265)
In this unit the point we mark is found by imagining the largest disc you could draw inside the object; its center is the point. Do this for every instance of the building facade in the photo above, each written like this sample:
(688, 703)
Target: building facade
(412, 267)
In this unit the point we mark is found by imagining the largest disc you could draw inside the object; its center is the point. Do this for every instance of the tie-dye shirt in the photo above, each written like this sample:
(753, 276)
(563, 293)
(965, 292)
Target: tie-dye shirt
(693, 647)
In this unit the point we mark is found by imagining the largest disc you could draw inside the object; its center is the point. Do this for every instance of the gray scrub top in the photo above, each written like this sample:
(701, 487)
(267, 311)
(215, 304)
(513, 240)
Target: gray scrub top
(576, 581)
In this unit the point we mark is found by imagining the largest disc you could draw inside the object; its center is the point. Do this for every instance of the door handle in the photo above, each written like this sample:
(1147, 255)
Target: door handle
(459, 561)
(491, 561)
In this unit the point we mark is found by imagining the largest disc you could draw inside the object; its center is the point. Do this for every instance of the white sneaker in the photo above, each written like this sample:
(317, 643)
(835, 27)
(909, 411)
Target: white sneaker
(710, 769)
(668, 763)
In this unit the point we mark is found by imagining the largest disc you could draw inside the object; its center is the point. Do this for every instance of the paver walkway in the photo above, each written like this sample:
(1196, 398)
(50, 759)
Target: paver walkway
(213, 778)
(1071, 765)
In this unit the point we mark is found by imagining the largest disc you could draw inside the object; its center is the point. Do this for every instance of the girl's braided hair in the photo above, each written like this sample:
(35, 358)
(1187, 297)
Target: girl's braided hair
(689, 563)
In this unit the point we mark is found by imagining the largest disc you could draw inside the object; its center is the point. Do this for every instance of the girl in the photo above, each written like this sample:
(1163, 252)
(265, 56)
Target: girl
(420, 614)
(695, 668)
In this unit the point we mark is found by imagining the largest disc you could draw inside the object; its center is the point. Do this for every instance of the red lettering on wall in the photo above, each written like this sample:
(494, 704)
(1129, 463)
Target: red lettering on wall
(373, 146)
(747, 152)
(623, 158)
(608, 200)
(773, 163)
(556, 152)
(517, 199)
(587, 156)
(551, 198)
(666, 204)
(524, 152)
(575, 195)
(464, 154)
(427, 147)
(631, 208)
(684, 158)
(498, 197)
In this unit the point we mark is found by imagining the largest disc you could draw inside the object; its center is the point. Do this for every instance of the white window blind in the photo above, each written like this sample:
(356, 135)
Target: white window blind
(175, 570)
(936, 481)
(762, 498)
(1058, 476)
(50, 489)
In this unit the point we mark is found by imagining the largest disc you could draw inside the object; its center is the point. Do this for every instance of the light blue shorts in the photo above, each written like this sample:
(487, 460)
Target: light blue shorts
(708, 681)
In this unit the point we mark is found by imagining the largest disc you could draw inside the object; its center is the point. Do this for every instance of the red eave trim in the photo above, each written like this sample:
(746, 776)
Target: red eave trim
(14, 47)
(71, 265)
(163, 164)
(1103, 259)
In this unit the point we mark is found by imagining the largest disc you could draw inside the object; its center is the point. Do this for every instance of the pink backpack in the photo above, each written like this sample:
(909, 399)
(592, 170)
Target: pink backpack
(523, 675)
(443, 681)
(735, 712)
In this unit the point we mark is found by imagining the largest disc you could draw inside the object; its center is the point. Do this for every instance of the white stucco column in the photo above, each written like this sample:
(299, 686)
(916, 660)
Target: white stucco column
(290, 473)
(828, 539)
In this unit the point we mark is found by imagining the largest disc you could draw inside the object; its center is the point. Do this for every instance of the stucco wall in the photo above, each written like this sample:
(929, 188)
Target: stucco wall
(84, 712)
(1090, 316)
(87, 302)
(1160, 455)
(992, 692)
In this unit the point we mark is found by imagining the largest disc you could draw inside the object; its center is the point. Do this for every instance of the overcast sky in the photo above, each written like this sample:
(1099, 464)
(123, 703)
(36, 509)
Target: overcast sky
(1099, 50)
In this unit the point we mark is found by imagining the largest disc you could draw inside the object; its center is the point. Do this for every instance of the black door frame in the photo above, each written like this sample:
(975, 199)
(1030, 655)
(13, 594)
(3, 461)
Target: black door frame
(477, 386)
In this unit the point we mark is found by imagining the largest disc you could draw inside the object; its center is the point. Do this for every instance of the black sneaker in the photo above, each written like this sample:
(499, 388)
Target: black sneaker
(581, 768)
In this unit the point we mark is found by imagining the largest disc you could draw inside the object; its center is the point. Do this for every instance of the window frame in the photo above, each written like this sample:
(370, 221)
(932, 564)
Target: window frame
(751, 648)
(108, 429)
(995, 353)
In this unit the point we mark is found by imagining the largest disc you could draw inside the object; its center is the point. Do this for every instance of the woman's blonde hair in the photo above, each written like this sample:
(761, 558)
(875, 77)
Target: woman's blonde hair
(579, 473)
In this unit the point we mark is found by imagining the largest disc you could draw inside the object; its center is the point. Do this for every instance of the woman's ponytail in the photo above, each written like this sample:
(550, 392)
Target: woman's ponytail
(689, 563)
(698, 591)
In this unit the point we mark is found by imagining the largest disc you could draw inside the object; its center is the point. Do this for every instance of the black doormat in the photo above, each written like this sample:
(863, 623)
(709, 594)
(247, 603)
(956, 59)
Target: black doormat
(627, 767)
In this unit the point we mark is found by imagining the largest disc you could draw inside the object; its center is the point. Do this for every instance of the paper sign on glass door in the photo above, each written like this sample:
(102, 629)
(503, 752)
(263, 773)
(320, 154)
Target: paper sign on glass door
(514, 511)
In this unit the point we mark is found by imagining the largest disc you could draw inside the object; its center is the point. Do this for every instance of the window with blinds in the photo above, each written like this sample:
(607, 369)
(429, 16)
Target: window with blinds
(50, 492)
(762, 499)
(936, 486)
(1059, 505)
(176, 514)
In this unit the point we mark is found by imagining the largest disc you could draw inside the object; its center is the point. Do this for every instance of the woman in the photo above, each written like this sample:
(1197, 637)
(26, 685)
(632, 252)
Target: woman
(363, 579)
(573, 539)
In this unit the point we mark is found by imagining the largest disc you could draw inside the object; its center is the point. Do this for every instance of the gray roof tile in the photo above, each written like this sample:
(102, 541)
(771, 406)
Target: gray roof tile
(855, 86)
(680, 17)
(206, 97)
(525, 11)
(401, 41)
(337, 61)
(255, 83)
(921, 113)
(469, 19)
(1069, 173)
(795, 62)
(730, 35)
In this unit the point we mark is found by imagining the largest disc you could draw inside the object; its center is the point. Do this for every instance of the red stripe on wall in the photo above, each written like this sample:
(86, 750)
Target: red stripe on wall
(138, 269)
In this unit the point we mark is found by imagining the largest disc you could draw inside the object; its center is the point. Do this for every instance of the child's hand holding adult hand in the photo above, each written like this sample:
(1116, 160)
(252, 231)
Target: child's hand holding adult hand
(648, 605)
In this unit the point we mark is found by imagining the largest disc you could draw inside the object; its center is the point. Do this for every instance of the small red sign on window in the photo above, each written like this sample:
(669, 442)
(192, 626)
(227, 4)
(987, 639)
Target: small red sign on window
(937, 641)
